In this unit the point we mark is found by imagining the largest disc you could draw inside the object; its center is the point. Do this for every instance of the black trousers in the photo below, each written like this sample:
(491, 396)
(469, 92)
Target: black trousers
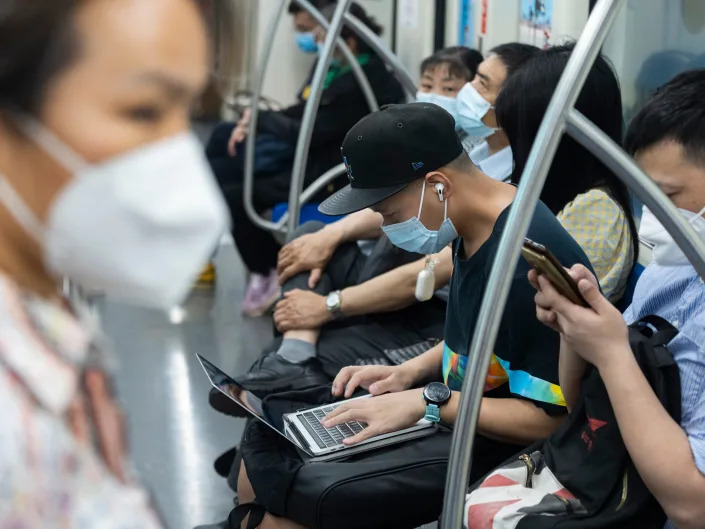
(364, 339)
(257, 247)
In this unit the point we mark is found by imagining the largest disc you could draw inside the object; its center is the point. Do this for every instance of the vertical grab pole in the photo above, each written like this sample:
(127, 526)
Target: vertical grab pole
(498, 285)
(254, 115)
(349, 57)
(380, 48)
(310, 111)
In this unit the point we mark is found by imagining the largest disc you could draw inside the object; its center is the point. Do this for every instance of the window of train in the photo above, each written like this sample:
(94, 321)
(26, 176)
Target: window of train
(652, 42)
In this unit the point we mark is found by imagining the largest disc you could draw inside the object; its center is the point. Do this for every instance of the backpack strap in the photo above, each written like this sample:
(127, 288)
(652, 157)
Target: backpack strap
(663, 332)
(238, 514)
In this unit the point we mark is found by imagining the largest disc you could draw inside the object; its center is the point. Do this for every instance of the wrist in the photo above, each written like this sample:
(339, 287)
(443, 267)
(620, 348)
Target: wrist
(617, 363)
(420, 409)
(334, 234)
(334, 304)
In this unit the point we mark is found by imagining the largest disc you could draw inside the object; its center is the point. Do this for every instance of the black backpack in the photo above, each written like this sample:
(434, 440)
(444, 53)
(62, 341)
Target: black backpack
(587, 454)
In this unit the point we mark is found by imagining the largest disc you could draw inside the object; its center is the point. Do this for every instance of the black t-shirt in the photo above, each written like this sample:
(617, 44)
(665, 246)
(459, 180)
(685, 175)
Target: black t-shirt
(525, 360)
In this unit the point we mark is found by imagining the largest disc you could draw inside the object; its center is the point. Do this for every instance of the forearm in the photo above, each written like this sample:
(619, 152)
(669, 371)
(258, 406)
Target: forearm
(395, 289)
(571, 370)
(365, 224)
(656, 443)
(426, 366)
(515, 421)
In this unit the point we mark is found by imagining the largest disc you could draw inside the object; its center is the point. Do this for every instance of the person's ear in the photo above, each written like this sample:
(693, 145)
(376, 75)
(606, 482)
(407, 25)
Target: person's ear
(442, 185)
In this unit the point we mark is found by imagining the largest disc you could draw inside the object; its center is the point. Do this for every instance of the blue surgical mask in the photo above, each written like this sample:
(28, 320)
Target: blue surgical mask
(449, 104)
(306, 42)
(412, 236)
(472, 107)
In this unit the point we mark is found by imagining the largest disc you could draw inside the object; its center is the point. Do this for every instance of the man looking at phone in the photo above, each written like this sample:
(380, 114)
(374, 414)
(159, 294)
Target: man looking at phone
(667, 139)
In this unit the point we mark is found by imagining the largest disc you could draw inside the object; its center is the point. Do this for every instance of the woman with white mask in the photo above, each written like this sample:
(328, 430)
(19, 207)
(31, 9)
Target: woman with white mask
(101, 183)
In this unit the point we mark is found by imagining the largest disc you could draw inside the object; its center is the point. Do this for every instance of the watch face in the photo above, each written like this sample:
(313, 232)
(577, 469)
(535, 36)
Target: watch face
(333, 300)
(437, 393)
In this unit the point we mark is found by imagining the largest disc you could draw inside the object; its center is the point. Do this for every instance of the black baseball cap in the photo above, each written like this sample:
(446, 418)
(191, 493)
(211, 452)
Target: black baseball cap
(388, 149)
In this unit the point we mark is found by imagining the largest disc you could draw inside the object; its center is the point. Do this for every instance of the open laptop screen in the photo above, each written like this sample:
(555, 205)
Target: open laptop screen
(240, 396)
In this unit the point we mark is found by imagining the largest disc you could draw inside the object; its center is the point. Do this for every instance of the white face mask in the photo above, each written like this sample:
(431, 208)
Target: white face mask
(666, 252)
(137, 227)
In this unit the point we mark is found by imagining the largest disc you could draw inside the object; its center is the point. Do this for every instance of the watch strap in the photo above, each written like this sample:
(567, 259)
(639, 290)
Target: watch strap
(433, 413)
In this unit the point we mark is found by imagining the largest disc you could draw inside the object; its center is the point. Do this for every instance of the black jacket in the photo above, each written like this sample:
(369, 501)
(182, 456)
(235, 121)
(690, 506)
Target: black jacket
(342, 105)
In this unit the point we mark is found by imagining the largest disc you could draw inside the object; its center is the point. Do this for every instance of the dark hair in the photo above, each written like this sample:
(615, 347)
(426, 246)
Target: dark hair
(675, 112)
(520, 108)
(462, 62)
(36, 42)
(295, 8)
(358, 12)
(514, 55)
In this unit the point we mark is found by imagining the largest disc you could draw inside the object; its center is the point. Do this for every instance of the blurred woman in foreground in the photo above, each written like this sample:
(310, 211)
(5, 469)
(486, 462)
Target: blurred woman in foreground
(100, 183)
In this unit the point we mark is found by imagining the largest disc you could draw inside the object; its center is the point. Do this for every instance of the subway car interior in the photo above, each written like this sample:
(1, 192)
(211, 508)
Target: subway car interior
(410, 264)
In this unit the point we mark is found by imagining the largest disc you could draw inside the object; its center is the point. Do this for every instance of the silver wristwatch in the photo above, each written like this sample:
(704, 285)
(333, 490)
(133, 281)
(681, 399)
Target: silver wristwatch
(333, 302)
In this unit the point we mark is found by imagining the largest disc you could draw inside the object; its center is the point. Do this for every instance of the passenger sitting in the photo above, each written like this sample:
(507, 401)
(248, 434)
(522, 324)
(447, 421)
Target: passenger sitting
(342, 104)
(588, 199)
(365, 310)
(667, 139)
(483, 138)
(593, 206)
(407, 163)
(350, 310)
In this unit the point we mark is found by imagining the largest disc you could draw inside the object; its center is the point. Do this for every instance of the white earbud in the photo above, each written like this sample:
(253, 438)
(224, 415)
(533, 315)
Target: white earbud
(439, 189)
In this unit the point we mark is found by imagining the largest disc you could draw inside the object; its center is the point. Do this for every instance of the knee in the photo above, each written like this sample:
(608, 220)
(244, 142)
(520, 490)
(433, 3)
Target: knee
(311, 226)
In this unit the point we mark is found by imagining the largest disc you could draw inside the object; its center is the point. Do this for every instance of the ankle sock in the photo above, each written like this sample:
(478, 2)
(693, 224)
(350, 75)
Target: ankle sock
(296, 351)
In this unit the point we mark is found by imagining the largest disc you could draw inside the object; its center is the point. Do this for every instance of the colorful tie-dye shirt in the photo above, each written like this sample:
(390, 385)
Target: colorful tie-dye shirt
(525, 359)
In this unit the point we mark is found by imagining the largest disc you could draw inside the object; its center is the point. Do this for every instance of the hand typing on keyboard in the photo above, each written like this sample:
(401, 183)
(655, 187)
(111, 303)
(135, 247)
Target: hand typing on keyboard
(377, 415)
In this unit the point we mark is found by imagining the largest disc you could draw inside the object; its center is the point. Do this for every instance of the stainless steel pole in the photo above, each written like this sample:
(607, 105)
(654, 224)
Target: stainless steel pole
(310, 111)
(498, 285)
(596, 141)
(357, 70)
(381, 49)
(254, 115)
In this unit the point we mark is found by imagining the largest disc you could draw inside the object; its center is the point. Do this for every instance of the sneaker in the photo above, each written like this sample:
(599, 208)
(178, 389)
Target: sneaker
(207, 277)
(273, 374)
(262, 293)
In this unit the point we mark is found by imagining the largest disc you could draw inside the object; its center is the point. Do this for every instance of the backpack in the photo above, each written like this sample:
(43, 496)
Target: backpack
(582, 475)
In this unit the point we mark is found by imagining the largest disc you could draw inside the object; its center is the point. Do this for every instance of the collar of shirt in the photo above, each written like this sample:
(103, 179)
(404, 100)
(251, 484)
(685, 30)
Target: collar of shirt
(498, 165)
(42, 344)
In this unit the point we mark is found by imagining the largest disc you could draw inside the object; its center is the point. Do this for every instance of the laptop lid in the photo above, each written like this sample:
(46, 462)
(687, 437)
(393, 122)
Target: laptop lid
(243, 398)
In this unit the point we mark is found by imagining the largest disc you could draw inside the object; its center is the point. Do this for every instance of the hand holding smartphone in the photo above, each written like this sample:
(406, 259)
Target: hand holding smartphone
(546, 264)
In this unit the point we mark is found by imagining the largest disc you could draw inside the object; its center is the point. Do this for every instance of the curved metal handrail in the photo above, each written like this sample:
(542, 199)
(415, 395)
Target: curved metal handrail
(355, 67)
(380, 48)
(310, 111)
(248, 180)
(559, 118)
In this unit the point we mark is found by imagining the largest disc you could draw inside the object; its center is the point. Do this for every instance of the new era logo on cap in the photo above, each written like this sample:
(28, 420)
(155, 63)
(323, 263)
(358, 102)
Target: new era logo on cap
(348, 168)
(417, 165)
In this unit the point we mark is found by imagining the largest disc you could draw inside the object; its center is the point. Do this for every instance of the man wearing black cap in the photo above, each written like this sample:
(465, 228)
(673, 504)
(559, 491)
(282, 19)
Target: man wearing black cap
(407, 163)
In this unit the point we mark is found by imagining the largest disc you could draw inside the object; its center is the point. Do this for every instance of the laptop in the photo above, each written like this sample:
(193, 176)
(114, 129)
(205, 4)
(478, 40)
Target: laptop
(304, 428)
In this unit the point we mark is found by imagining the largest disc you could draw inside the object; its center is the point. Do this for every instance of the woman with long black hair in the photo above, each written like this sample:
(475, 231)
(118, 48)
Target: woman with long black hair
(586, 196)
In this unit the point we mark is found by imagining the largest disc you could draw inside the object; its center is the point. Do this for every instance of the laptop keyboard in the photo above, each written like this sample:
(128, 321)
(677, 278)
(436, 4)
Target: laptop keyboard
(328, 437)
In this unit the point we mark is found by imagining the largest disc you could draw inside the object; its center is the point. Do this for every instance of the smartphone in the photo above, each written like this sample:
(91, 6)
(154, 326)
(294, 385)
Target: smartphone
(546, 263)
